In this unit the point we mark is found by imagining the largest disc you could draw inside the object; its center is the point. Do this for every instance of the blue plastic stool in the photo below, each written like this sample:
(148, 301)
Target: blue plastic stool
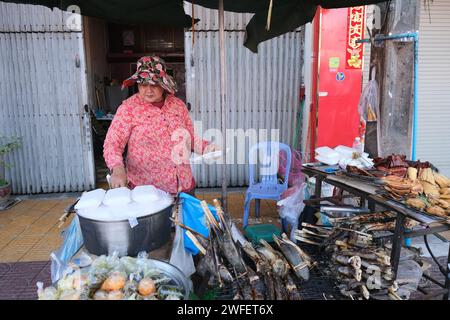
(268, 188)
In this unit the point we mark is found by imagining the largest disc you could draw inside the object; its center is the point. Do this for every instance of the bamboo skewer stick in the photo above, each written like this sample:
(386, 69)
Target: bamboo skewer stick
(209, 216)
(188, 229)
(325, 230)
(196, 242)
(301, 239)
(311, 233)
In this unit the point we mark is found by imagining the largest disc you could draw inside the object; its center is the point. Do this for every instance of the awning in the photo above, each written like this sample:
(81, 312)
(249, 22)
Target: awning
(287, 15)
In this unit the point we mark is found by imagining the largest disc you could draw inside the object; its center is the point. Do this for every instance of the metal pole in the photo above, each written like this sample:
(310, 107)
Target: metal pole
(415, 115)
(222, 103)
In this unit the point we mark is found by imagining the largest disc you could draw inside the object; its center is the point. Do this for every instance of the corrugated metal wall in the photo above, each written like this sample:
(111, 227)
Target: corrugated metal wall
(43, 92)
(433, 132)
(262, 89)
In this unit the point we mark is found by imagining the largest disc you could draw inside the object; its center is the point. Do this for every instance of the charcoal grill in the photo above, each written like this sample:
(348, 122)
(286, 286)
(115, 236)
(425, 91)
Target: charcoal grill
(320, 285)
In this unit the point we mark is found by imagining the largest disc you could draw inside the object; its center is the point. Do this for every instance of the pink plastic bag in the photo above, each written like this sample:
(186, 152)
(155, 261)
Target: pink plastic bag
(296, 176)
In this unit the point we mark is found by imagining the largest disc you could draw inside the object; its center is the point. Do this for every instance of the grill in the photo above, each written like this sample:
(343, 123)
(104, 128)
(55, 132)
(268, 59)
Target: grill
(320, 286)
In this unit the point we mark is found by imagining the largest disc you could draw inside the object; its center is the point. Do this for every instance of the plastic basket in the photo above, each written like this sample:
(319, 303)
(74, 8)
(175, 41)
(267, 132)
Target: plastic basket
(261, 231)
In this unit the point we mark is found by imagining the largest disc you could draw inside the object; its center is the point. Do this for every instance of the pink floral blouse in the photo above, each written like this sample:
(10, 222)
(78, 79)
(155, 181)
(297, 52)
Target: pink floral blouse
(159, 143)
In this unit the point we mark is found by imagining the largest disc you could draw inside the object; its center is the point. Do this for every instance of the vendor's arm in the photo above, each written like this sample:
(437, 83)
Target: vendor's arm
(198, 145)
(114, 146)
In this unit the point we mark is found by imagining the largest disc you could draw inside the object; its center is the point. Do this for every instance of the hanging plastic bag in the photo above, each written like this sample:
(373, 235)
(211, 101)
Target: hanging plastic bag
(194, 218)
(296, 176)
(72, 242)
(369, 110)
(179, 256)
(368, 106)
(291, 206)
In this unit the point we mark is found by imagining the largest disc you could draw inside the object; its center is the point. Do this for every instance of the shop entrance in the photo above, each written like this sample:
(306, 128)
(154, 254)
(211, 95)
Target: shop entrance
(112, 51)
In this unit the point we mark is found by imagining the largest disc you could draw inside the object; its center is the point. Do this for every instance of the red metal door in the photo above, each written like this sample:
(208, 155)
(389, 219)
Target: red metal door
(340, 76)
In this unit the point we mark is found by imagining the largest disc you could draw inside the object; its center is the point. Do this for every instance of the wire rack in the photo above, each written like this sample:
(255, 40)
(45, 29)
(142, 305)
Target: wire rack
(320, 286)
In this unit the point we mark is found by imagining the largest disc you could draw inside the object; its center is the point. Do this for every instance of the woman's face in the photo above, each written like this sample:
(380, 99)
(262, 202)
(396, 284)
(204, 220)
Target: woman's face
(151, 93)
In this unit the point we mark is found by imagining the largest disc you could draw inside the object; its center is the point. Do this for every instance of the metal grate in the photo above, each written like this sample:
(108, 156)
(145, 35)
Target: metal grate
(320, 286)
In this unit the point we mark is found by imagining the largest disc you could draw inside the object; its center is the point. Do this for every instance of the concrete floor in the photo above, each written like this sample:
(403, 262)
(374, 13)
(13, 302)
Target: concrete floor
(438, 247)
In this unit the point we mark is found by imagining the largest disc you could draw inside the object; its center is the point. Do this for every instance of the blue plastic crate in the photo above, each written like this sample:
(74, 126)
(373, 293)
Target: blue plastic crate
(263, 231)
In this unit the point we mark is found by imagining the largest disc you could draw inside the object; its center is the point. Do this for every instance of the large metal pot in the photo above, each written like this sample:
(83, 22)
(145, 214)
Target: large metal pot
(105, 237)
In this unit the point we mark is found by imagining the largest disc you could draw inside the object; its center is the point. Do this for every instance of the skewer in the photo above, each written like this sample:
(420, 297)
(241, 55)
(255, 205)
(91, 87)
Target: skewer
(355, 231)
(312, 233)
(301, 239)
(219, 210)
(304, 224)
(394, 295)
(187, 228)
(196, 242)
(209, 216)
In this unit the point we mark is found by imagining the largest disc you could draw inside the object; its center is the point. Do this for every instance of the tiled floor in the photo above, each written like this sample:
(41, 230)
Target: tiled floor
(18, 279)
(29, 231)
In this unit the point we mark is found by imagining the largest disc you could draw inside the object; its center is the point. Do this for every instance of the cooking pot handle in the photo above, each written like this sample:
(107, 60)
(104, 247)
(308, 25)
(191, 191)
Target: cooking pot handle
(67, 212)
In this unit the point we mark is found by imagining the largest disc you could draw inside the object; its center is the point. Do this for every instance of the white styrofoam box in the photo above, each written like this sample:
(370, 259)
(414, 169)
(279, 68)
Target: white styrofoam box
(344, 151)
(326, 152)
(144, 194)
(347, 152)
(327, 155)
(328, 160)
(90, 199)
(117, 197)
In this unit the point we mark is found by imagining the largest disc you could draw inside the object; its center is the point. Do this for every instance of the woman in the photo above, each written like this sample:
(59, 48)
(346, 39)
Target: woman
(156, 128)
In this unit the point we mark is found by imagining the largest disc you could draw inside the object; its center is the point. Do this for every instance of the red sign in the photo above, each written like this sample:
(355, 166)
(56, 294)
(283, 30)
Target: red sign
(355, 31)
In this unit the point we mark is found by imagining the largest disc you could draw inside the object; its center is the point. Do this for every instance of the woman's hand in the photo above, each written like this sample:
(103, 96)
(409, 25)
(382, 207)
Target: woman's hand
(211, 148)
(118, 177)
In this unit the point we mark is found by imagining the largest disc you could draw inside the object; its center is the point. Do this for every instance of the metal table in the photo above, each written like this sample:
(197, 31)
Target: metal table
(367, 192)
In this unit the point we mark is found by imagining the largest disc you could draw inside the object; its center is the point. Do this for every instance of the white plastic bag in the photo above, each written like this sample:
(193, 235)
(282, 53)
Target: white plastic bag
(327, 155)
(91, 199)
(291, 206)
(117, 197)
(179, 256)
(145, 194)
(369, 99)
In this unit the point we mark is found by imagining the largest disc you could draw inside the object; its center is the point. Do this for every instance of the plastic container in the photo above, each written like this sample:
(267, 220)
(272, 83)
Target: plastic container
(327, 189)
(324, 220)
(357, 146)
(327, 155)
(261, 231)
(104, 237)
(344, 151)
(326, 152)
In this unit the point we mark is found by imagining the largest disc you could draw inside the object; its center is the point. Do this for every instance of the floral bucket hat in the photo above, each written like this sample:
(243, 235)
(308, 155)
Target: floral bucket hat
(151, 70)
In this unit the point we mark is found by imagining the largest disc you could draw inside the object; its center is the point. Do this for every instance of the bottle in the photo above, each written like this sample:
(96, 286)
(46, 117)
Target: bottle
(357, 148)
